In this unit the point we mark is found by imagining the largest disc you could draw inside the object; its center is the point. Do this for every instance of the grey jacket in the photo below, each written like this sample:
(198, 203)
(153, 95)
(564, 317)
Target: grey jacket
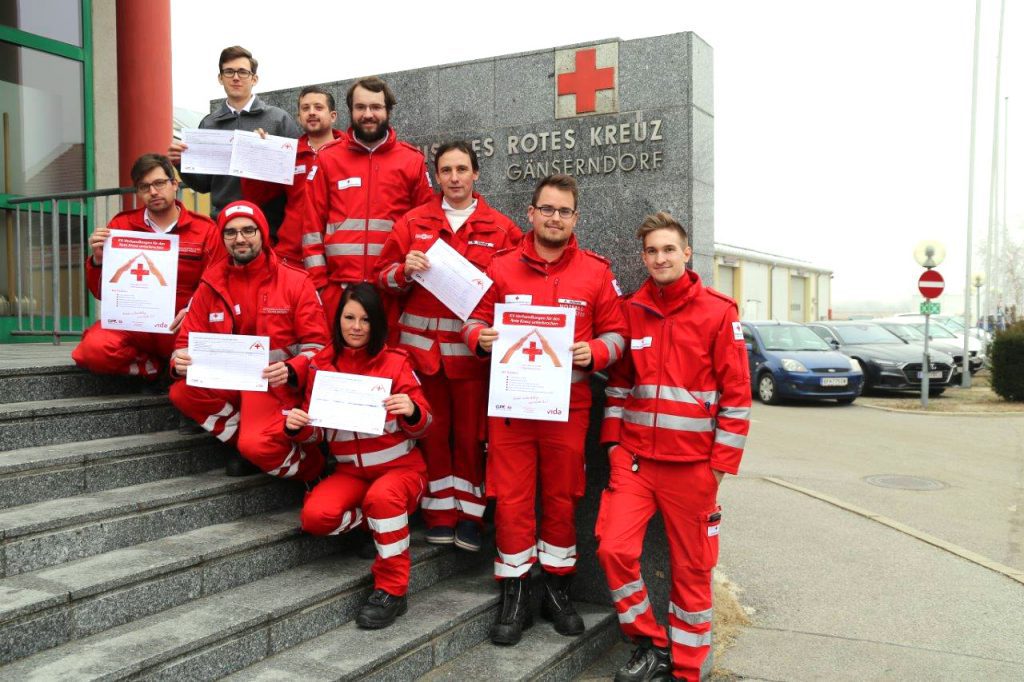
(224, 189)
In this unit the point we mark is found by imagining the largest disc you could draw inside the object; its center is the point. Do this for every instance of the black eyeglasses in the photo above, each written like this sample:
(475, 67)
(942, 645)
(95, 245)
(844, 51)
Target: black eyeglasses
(244, 74)
(144, 187)
(247, 231)
(563, 213)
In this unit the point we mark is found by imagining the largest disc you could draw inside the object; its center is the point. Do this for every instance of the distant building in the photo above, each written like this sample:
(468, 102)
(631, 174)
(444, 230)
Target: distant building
(769, 286)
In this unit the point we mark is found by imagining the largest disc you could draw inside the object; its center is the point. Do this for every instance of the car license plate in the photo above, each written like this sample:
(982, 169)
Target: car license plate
(834, 381)
(937, 374)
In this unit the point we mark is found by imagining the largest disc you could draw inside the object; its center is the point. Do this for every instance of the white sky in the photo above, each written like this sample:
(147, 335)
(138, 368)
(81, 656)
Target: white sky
(841, 128)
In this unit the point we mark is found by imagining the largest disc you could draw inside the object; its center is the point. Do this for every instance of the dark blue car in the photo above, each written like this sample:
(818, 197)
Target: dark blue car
(788, 360)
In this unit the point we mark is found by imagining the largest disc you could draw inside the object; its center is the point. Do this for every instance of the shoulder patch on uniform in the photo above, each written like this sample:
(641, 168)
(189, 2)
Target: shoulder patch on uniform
(597, 256)
(409, 146)
(719, 294)
(737, 331)
(615, 285)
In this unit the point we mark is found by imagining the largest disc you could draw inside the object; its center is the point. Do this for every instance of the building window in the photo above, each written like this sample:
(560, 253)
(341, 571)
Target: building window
(55, 19)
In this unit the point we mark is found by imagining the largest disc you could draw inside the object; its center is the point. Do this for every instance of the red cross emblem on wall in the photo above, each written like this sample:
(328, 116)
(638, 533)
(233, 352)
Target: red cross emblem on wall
(586, 80)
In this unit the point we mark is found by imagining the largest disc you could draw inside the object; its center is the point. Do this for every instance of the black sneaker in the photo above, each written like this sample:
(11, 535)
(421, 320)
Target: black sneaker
(557, 607)
(440, 535)
(467, 536)
(239, 466)
(380, 610)
(648, 662)
(515, 613)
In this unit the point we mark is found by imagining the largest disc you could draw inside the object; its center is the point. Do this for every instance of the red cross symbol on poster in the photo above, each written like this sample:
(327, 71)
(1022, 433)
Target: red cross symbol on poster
(139, 272)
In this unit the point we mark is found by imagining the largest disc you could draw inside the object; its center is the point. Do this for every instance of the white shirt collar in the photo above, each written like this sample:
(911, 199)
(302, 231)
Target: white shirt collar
(368, 148)
(157, 228)
(248, 105)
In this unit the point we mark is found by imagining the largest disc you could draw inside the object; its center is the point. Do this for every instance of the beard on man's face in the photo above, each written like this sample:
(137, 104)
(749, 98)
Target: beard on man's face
(371, 137)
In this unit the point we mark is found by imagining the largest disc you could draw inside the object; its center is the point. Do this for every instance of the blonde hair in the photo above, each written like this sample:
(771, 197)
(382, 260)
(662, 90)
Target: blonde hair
(662, 220)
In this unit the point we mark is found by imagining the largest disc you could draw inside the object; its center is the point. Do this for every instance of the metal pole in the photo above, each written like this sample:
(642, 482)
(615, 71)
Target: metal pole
(19, 288)
(55, 266)
(993, 176)
(926, 366)
(965, 380)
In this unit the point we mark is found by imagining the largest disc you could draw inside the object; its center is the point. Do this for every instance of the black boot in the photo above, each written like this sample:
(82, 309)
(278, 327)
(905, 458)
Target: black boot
(380, 610)
(515, 613)
(556, 606)
(648, 662)
(237, 465)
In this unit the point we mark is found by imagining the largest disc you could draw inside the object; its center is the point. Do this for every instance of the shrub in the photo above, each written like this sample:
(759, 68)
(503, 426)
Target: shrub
(1007, 356)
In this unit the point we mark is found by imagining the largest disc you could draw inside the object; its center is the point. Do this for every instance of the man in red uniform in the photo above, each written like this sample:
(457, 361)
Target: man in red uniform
(676, 422)
(316, 117)
(455, 382)
(363, 184)
(113, 351)
(547, 269)
(252, 292)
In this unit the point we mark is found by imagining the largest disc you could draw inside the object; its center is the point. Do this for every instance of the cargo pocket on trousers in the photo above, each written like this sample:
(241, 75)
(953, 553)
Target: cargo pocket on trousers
(709, 526)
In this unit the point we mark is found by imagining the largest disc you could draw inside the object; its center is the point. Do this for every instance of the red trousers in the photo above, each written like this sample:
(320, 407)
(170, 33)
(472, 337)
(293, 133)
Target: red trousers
(454, 450)
(112, 351)
(684, 493)
(387, 497)
(519, 449)
(252, 422)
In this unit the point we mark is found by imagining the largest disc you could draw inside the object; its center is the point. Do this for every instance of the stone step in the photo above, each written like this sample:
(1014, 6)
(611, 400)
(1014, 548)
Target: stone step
(23, 384)
(66, 420)
(216, 635)
(542, 654)
(47, 533)
(50, 606)
(48, 472)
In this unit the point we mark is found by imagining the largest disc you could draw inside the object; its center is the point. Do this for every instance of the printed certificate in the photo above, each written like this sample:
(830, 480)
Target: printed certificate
(271, 159)
(209, 151)
(531, 362)
(139, 281)
(349, 402)
(453, 280)
(231, 361)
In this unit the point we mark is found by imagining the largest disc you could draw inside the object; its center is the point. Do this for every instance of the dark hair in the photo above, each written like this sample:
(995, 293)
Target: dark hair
(662, 220)
(365, 295)
(236, 52)
(317, 90)
(148, 162)
(562, 182)
(457, 145)
(373, 84)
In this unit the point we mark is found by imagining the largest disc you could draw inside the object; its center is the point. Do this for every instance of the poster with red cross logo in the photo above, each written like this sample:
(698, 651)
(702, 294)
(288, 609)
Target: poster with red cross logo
(587, 80)
(531, 362)
(140, 280)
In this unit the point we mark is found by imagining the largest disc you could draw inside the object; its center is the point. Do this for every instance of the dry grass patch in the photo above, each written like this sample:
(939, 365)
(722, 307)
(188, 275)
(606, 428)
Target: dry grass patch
(978, 399)
(729, 620)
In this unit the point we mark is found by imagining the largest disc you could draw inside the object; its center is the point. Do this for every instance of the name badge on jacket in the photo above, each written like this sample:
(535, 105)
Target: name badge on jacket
(350, 182)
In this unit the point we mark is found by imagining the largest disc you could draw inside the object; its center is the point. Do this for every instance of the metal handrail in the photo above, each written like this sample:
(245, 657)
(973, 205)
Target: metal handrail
(63, 196)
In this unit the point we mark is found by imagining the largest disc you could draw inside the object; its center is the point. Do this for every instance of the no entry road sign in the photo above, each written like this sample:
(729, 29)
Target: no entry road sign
(931, 284)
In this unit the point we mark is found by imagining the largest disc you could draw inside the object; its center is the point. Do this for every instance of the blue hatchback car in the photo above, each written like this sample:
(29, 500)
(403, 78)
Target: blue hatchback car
(788, 360)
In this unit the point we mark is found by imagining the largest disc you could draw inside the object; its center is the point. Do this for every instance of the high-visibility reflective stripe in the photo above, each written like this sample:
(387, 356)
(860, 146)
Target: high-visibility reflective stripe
(560, 552)
(735, 412)
(388, 454)
(304, 347)
(613, 412)
(349, 225)
(690, 617)
(669, 421)
(312, 238)
(391, 276)
(455, 350)
(133, 369)
(437, 503)
(422, 323)
(733, 439)
(467, 487)
(290, 466)
(423, 429)
(388, 525)
(211, 421)
(628, 589)
(374, 249)
(314, 262)
(706, 396)
(344, 249)
(392, 549)
(634, 611)
(641, 418)
(341, 436)
(554, 561)
(675, 393)
(691, 639)
(616, 392)
(519, 557)
(415, 340)
(278, 355)
(505, 571)
(379, 225)
(350, 519)
(230, 426)
(441, 483)
(615, 344)
(470, 508)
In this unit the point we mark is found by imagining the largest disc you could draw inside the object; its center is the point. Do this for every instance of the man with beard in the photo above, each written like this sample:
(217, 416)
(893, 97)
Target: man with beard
(316, 117)
(363, 184)
(547, 269)
(241, 110)
(251, 292)
(142, 354)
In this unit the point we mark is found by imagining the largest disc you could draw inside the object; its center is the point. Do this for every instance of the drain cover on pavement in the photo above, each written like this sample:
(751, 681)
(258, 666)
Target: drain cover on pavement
(905, 482)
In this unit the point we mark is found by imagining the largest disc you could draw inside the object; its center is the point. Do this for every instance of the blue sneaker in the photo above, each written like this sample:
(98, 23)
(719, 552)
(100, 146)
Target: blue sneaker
(441, 535)
(467, 536)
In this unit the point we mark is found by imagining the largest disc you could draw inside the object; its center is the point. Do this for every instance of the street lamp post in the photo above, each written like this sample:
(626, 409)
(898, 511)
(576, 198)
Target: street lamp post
(978, 281)
(928, 254)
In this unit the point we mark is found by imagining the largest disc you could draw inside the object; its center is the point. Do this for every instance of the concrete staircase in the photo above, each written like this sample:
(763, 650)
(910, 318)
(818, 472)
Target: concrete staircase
(126, 553)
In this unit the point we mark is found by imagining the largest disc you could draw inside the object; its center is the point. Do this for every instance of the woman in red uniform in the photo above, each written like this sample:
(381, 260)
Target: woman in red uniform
(379, 477)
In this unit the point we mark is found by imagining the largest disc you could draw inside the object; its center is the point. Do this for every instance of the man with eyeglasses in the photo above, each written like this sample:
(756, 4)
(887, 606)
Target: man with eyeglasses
(252, 292)
(363, 184)
(549, 269)
(241, 110)
(142, 354)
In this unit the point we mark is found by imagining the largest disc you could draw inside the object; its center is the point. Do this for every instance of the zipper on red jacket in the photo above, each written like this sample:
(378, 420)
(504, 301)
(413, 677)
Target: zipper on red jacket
(657, 394)
(359, 450)
(366, 220)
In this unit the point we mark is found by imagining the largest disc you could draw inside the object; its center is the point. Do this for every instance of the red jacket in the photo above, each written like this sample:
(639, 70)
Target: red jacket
(199, 244)
(579, 279)
(396, 447)
(289, 235)
(355, 197)
(264, 297)
(682, 392)
(429, 330)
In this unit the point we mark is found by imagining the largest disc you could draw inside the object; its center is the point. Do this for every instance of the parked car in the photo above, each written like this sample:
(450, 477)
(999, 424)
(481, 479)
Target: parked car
(913, 334)
(888, 363)
(787, 360)
(938, 331)
(956, 325)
